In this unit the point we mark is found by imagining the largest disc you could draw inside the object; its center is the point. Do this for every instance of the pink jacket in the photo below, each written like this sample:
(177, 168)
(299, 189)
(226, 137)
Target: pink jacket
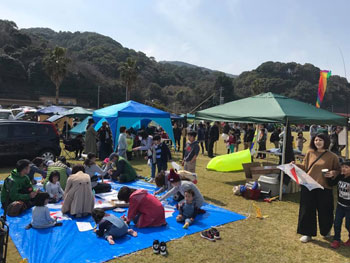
(148, 206)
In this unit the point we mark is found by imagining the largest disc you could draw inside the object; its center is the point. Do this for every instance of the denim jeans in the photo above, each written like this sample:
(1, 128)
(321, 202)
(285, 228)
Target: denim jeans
(340, 213)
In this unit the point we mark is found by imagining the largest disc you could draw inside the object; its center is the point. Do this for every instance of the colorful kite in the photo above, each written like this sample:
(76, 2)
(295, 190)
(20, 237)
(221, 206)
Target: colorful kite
(322, 86)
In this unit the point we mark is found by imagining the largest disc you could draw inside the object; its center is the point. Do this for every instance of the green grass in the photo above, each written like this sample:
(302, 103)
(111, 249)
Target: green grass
(273, 239)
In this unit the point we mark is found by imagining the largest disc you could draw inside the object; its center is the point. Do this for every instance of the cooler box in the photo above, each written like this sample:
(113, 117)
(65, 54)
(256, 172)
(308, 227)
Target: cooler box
(270, 182)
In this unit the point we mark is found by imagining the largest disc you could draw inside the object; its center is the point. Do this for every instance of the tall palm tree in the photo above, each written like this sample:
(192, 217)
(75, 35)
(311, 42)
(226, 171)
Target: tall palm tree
(55, 64)
(128, 73)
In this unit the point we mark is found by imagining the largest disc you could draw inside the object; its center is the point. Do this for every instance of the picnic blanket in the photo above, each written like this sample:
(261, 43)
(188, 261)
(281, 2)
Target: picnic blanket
(67, 244)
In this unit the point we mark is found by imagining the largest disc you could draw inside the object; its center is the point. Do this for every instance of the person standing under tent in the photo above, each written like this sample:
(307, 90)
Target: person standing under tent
(105, 138)
(177, 135)
(201, 136)
(313, 131)
(249, 136)
(237, 134)
(274, 138)
(262, 143)
(213, 137)
(90, 138)
(206, 135)
(334, 146)
(122, 143)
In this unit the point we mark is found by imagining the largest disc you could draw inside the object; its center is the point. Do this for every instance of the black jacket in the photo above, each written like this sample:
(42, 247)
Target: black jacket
(214, 133)
(343, 189)
(177, 133)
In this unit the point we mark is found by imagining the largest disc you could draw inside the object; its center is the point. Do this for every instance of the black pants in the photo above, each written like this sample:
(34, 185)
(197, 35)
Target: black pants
(311, 201)
(102, 188)
(78, 153)
(162, 166)
(202, 146)
(129, 155)
(183, 147)
(210, 148)
(178, 144)
(340, 213)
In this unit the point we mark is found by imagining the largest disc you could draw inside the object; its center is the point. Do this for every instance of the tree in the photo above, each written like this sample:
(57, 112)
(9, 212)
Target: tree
(55, 64)
(128, 73)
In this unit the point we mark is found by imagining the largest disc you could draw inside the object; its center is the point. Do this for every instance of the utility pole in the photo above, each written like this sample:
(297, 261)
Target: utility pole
(221, 97)
(98, 97)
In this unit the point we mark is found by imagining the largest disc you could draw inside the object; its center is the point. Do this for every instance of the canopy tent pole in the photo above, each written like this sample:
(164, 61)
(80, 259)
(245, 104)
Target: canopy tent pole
(346, 143)
(283, 157)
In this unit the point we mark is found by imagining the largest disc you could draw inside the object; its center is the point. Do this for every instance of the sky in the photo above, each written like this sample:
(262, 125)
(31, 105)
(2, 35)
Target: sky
(227, 35)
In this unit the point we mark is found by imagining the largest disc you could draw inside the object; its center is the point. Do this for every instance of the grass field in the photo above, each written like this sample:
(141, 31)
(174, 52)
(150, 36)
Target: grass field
(273, 239)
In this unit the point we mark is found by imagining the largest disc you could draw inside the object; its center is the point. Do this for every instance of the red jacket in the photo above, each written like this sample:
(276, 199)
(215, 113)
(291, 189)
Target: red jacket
(148, 206)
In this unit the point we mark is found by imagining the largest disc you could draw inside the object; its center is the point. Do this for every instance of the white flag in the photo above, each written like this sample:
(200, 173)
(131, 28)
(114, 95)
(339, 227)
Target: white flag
(299, 176)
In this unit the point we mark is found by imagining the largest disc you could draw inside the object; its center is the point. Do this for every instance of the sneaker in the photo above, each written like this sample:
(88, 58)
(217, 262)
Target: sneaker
(186, 225)
(215, 233)
(347, 243)
(305, 239)
(328, 235)
(163, 250)
(208, 235)
(156, 247)
(335, 244)
(151, 181)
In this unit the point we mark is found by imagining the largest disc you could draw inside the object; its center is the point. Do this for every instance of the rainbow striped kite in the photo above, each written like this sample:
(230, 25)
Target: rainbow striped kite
(322, 86)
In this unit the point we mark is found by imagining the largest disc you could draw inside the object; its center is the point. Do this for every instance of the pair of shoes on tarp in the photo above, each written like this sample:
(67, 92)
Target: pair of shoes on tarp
(212, 234)
(160, 248)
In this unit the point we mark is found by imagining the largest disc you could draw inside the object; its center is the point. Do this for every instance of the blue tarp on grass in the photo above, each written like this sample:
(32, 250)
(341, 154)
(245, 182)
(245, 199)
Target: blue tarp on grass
(66, 244)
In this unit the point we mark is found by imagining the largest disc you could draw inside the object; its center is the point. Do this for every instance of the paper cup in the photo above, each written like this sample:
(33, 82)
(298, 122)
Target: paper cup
(324, 171)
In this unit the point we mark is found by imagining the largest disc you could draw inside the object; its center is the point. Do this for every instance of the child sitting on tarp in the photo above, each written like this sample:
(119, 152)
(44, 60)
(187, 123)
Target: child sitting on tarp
(110, 227)
(41, 215)
(182, 186)
(188, 209)
(53, 187)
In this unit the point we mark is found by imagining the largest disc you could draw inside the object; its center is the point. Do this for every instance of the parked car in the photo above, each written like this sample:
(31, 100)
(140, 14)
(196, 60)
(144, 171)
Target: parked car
(26, 139)
(6, 115)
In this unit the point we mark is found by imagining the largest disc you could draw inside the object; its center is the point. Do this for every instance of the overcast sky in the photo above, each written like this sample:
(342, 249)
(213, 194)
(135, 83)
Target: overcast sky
(231, 36)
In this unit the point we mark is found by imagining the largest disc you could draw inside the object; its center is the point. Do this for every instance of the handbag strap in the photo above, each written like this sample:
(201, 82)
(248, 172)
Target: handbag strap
(318, 158)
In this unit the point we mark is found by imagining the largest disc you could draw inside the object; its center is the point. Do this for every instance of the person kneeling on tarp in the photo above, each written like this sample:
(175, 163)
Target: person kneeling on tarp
(182, 187)
(92, 169)
(41, 215)
(144, 209)
(17, 192)
(125, 172)
(78, 197)
(110, 227)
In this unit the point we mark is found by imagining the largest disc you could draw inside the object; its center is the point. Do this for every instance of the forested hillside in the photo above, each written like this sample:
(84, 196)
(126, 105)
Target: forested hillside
(95, 60)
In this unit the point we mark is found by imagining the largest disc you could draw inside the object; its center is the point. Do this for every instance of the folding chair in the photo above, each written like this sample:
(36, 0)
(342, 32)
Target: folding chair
(69, 149)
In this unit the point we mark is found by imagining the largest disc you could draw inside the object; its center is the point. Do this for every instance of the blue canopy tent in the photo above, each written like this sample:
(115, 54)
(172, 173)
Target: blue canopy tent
(81, 127)
(132, 113)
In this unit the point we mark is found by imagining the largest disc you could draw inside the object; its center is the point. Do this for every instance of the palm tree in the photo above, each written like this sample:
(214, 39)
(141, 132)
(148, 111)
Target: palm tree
(128, 73)
(55, 64)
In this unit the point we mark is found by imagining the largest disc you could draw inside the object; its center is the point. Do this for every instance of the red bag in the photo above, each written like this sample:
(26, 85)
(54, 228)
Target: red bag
(252, 194)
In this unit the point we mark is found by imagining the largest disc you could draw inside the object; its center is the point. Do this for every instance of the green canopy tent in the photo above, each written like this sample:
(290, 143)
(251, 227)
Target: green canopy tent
(271, 108)
(77, 112)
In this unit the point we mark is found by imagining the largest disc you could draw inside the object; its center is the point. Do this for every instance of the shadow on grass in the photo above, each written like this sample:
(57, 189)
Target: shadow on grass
(214, 201)
(344, 251)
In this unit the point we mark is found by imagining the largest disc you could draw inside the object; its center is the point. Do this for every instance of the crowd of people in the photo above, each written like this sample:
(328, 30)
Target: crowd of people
(78, 185)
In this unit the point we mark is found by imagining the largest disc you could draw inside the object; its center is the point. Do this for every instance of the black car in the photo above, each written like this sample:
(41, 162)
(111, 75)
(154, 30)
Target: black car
(26, 139)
